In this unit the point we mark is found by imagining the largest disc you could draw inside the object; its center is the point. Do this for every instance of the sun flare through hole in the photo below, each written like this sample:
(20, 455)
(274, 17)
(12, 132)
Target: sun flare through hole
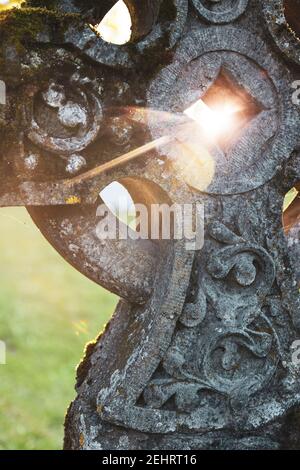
(116, 25)
(214, 123)
(224, 110)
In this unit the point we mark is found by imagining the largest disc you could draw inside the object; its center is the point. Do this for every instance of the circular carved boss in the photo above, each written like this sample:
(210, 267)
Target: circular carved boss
(64, 119)
(220, 11)
(224, 58)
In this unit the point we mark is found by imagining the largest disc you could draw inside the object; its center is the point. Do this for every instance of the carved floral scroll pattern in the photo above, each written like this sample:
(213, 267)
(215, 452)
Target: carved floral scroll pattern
(225, 343)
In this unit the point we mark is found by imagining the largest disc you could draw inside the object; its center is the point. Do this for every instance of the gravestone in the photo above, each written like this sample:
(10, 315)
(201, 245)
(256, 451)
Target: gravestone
(199, 353)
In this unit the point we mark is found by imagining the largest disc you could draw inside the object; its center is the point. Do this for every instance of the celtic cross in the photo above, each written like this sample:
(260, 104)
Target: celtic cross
(199, 351)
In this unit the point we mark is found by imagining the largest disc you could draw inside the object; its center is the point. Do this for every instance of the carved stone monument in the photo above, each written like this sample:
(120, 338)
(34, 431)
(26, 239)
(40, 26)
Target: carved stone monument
(198, 354)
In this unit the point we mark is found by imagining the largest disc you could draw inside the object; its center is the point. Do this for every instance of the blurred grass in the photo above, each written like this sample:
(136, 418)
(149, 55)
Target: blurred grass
(48, 312)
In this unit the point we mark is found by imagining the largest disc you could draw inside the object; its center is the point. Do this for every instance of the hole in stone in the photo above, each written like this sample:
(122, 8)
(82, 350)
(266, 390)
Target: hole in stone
(119, 201)
(292, 15)
(291, 209)
(224, 110)
(291, 225)
(142, 206)
(116, 25)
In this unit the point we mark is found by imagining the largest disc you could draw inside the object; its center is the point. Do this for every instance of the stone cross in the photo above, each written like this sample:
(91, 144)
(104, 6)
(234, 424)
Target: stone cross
(200, 353)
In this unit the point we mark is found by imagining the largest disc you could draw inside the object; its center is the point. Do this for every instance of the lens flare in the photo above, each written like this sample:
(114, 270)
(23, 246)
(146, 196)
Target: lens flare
(215, 123)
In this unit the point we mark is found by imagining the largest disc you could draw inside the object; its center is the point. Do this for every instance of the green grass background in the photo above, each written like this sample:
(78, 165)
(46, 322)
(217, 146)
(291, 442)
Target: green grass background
(48, 312)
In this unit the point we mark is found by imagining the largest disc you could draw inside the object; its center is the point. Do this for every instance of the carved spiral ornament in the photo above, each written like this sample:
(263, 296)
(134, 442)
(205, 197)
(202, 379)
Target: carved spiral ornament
(64, 119)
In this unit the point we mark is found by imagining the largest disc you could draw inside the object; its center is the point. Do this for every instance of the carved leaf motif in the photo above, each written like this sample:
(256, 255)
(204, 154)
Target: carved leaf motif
(231, 355)
(223, 234)
(239, 396)
(239, 257)
(244, 270)
(248, 222)
(238, 352)
(186, 394)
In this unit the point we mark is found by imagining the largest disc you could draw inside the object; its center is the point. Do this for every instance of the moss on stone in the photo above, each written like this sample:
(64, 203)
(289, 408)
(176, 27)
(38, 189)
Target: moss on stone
(49, 4)
(21, 25)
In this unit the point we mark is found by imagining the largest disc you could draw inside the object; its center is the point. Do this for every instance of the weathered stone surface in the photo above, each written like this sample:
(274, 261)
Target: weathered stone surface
(199, 351)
